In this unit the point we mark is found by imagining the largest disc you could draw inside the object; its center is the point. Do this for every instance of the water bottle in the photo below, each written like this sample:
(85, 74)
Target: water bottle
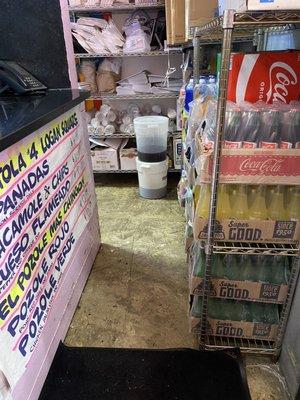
(189, 95)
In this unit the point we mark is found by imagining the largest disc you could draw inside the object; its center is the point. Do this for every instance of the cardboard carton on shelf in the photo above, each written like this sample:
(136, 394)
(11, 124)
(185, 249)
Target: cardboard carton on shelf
(199, 15)
(128, 159)
(252, 231)
(252, 166)
(241, 290)
(177, 29)
(105, 157)
(237, 329)
(257, 5)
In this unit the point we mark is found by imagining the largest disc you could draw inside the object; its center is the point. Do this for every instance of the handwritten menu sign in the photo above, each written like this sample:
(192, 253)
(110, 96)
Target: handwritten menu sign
(46, 201)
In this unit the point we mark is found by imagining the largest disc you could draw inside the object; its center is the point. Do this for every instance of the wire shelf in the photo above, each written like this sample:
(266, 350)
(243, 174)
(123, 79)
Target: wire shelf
(119, 135)
(117, 7)
(252, 346)
(126, 55)
(246, 24)
(256, 248)
(140, 96)
(128, 171)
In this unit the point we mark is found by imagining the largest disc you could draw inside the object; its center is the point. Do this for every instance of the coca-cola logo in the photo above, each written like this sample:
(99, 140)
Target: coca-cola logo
(271, 165)
(281, 75)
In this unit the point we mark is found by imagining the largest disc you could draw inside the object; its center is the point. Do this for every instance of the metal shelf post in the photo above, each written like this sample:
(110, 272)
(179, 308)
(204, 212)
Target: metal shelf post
(221, 109)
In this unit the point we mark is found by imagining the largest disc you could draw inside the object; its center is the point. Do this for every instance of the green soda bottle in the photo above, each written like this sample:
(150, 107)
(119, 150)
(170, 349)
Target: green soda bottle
(199, 262)
(232, 267)
(218, 266)
(196, 307)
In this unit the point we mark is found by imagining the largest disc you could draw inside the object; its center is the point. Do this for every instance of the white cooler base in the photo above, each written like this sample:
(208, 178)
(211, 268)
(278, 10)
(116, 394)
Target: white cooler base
(152, 179)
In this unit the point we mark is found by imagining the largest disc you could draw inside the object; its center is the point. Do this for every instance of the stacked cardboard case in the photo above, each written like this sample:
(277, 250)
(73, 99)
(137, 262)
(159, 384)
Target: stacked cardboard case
(246, 290)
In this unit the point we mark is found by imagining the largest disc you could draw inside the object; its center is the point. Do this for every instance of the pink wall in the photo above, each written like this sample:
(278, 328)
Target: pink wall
(69, 43)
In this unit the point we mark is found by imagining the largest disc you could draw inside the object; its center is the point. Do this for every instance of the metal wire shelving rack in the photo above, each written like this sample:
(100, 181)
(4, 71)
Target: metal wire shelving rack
(152, 53)
(232, 27)
(108, 97)
(136, 96)
(118, 7)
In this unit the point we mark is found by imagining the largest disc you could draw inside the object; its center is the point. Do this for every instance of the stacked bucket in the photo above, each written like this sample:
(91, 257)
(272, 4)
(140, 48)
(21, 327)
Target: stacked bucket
(152, 163)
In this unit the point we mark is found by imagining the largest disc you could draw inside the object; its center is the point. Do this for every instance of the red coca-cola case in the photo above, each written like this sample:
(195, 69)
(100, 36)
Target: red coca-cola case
(265, 76)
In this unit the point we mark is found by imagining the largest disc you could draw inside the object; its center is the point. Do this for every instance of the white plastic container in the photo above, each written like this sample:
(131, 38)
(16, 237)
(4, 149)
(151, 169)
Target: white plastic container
(151, 138)
(152, 179)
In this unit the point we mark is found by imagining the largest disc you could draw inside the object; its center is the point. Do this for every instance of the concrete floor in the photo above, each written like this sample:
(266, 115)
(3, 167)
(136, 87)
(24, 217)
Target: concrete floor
(136, 295)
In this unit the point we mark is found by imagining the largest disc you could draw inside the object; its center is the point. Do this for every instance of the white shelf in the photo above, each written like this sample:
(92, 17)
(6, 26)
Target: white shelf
(152, 53)
(118, 7)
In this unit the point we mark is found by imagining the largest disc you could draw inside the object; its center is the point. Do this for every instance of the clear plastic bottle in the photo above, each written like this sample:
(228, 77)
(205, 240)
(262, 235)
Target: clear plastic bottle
(258, 209)
(204, 201)
(189, 95)
(276, 209)
(224, 208)
(293, 210)
(239, 202)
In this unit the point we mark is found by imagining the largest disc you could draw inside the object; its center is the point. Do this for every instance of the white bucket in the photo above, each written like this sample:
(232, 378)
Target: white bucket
(152, 179)
(151, 137)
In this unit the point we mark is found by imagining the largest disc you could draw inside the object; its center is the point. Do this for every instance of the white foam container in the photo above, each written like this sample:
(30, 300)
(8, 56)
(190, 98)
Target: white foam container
(152, 179)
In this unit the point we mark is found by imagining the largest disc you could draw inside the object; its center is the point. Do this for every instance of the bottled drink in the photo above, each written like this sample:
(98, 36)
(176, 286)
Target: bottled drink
(258, 209)
(239, 202)
(280, 270)
(233, 267)
(199, 262)
(232, 130)
(290, 129)
(250, 126)
(276, 210)
(204, 201)
(293, 210)
(224, 209)
(269, 133)
(218, 266)
(250, 268)
(189, 95)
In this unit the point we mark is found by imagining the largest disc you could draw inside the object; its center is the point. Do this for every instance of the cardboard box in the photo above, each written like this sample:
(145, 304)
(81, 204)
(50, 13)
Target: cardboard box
(170, 40)
(128, 159)
(230, 230)
(238, 329)
(257, 5)
(177, 29)
(201, 12)
(177, 152)
(253, 166)
(273, 5)
(105, 157)
(241, 290)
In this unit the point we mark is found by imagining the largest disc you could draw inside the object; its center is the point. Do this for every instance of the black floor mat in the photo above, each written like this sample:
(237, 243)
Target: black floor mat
(129, 374)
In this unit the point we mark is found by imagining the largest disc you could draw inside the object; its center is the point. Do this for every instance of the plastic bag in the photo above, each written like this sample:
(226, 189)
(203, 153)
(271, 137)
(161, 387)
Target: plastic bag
(108, 74)
(88, 71)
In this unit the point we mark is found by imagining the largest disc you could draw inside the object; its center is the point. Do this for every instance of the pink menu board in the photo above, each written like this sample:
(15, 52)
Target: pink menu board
(49, 237)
